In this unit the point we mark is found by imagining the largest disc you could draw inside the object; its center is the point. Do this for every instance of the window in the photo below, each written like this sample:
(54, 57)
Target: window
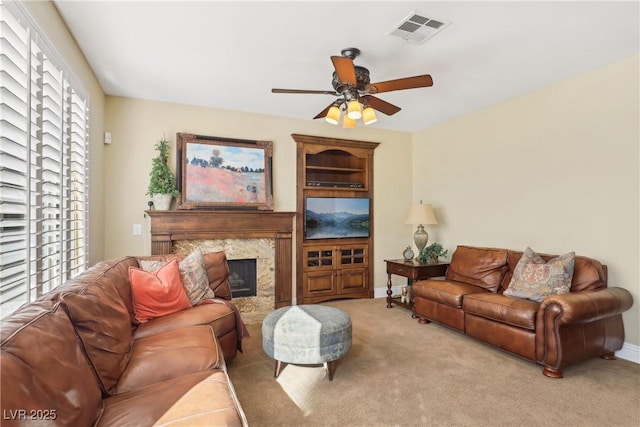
(43, 165)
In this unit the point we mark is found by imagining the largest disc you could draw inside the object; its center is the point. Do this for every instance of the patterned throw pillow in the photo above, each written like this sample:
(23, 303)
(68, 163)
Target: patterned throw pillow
(193, 275)
(534, 279)
(157, 294)
(151, 266)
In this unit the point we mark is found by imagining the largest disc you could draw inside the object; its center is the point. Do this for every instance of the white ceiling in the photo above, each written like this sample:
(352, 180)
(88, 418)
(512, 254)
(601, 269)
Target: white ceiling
(230, 54)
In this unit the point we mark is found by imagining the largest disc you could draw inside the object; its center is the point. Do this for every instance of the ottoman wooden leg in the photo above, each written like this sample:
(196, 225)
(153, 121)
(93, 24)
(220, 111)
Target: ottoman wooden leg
(331, 368)
(278, 369)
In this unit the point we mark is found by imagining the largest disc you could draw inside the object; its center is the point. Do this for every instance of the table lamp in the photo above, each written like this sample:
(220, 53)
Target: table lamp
(421, 214)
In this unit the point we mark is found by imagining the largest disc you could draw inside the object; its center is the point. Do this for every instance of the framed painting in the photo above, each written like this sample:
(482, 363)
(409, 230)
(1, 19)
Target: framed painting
(223, 173)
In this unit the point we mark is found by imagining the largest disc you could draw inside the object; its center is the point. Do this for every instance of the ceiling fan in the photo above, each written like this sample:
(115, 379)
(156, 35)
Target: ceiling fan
(355, 92)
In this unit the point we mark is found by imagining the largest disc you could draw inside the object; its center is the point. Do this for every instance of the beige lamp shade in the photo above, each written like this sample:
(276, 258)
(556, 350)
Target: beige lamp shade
(421, 214)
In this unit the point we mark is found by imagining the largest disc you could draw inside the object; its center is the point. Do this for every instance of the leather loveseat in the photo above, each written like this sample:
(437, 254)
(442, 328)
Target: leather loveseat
(77, 356)
(556, 332)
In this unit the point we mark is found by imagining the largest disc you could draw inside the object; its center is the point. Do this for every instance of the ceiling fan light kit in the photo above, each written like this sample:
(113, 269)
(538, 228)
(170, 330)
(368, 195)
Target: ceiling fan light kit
(369, 116)
(354, 110)
(333, 115)
(354, 90)
(348, 122)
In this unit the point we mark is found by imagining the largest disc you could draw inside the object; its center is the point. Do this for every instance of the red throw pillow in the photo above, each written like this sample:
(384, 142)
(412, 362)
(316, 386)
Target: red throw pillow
(159, 293)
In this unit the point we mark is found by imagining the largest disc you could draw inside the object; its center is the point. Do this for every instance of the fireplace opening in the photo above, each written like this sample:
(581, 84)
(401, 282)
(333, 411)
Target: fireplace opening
(242, 277)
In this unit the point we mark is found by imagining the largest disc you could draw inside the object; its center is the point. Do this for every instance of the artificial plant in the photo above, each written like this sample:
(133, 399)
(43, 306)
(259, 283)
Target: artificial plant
(432, 252)
(161, 179)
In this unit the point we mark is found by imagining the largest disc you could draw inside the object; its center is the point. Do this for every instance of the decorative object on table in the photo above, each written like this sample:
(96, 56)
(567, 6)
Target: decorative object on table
(431, 253)
(404, 296)
(408, 254)
(421, 215)
(224, 173)
(162, 182)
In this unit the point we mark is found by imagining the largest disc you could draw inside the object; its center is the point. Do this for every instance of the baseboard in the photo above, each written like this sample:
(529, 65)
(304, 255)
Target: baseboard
(628, 352)
(382, 292)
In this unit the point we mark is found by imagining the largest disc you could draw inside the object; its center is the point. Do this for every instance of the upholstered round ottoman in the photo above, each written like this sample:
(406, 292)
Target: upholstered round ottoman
(306, 335)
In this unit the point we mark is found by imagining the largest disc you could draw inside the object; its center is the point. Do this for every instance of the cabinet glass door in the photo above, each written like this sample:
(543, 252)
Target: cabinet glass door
(319, 258)
(353, 256)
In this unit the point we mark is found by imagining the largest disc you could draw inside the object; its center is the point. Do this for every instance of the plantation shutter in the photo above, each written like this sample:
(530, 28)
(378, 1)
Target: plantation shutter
(43, 166)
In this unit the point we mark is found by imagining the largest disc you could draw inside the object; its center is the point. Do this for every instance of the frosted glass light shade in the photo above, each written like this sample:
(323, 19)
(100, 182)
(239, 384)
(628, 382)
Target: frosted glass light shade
(369, 116)
(348, 122)
(354, 110)
(333, 115)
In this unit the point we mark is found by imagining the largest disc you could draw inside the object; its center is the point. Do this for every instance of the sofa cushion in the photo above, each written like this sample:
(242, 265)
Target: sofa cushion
(114, 272)
(44, 368)
(218, 274)
(588, 274)
(484, 267)
(170, 354)
(512, 311)
(535, 279)
(159, 293)
(204, 398)
(219, 316)
(193, 275)
(101, 320)
(447, 292)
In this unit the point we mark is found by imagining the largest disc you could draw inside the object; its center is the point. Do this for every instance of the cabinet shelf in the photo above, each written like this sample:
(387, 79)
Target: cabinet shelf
(333, 169)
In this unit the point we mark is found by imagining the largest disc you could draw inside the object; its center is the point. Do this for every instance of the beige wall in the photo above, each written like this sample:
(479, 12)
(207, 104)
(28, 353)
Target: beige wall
(555, 169)
(47, 19)
(136, 125)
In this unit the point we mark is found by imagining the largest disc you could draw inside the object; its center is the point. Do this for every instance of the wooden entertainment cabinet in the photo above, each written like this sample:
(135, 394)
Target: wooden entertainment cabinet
(333, 268)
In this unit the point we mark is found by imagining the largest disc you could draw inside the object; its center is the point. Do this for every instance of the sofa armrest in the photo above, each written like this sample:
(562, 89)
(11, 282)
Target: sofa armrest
(586, 306)
(577, 326)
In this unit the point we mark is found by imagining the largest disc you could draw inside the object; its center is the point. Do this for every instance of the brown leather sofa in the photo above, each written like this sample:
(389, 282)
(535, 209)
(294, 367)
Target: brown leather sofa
(557, 332)
(78, 357)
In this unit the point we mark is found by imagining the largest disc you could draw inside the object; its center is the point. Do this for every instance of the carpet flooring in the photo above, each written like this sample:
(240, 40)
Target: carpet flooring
(402, 373)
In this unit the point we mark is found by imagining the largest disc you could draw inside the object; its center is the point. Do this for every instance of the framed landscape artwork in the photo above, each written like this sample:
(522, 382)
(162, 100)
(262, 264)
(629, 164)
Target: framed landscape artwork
(223, 173)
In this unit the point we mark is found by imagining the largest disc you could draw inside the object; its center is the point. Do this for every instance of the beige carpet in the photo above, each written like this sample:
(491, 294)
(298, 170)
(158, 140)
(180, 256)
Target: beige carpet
(401, 373)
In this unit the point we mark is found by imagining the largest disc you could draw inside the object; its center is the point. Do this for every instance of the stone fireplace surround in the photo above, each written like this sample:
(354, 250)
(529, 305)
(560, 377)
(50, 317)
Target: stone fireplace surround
(264, 235)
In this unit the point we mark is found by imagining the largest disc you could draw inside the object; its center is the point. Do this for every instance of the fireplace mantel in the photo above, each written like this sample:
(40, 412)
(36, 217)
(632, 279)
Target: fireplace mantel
(170, 226)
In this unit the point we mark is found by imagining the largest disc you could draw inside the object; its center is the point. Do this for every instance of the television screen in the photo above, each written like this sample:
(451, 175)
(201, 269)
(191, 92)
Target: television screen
(336, 217)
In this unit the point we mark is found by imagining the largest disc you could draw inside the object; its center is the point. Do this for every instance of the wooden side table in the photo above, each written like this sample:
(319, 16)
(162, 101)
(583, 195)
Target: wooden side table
(413, 271)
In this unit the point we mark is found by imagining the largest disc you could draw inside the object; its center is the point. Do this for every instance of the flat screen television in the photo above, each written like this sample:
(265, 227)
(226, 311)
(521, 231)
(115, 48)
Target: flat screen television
(336, 217)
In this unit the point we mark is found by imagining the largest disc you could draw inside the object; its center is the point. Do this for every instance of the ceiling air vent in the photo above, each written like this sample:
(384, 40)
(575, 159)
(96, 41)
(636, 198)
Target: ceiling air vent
(417, 29)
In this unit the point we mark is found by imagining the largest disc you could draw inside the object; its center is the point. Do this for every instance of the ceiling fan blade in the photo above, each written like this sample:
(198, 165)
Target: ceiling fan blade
(312, 92)
(382, 106)
(345, 69)
(324, 112)
(400, 84)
